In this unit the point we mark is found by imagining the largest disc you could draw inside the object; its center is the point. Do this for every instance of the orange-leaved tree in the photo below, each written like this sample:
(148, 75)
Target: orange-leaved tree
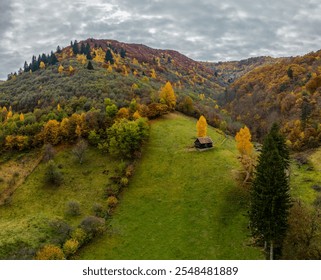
(201, 126)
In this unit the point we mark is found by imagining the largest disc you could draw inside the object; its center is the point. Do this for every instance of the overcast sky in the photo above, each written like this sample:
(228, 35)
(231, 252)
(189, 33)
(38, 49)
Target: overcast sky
(208, 30)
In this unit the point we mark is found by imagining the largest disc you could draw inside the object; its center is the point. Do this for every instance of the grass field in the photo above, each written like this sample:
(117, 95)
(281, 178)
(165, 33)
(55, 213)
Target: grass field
(25, 220)
(181, 203)
(303, 178)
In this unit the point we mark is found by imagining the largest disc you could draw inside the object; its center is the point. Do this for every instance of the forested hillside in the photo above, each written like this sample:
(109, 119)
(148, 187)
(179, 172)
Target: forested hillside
(287, 92)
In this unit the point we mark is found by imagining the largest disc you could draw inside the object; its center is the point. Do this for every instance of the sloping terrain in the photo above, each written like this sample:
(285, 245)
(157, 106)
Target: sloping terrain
(181, 203)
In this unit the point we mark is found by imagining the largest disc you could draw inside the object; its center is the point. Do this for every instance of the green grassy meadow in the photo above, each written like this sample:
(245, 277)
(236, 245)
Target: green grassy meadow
(181, 203)
(305, 176)
(25, 220)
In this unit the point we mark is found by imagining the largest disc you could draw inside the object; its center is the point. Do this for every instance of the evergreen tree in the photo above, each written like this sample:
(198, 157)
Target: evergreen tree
(109, 57)
(82, 48)
(75, 48)
(53, 59)
(88, 56)
(87, 49)
(26, 67)
(90, 66)
(58, 49)
(270, 199)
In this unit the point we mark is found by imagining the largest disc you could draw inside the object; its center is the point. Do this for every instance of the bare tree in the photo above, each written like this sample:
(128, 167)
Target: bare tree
(79, 150)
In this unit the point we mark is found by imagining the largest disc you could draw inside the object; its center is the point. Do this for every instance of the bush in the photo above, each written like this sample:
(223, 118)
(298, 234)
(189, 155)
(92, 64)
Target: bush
(72, 208)
(79, 235)
(112, 201)
(98, 210)
(50, 252)
(52, 174)
(60, 231)
(48, 152)
(130, 170)
(70, 247)
(93, 226)
(124, 181)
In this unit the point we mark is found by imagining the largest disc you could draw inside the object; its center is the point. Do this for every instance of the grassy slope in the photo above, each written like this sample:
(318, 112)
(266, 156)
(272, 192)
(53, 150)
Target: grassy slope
(304, 177)
(33, 205)
(181, 204)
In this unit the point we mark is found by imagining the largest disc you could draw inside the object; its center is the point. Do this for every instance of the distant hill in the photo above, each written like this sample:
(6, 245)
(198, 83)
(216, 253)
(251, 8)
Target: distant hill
(255, 91)
(229, 71)
(287, 91)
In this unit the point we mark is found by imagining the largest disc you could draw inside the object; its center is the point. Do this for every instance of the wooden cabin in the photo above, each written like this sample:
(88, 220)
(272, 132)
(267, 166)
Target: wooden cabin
(202, 143)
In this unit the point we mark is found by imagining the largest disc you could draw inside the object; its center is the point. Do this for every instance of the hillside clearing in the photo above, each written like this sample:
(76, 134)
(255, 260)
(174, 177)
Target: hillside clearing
(181, 204)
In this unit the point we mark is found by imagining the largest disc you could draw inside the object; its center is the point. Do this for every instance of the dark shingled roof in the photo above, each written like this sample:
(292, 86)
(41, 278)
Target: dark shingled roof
(205, 140)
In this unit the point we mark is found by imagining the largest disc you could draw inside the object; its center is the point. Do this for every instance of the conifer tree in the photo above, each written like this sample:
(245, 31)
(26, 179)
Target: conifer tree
(75, 48)
(90, 66)
(122, 53)
(270, 199)
(109, 57)
(82, 48)
(53, 59)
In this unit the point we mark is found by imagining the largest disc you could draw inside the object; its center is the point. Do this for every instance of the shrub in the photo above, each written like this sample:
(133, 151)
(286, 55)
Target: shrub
(72, 208)
(130, 170)
(93, 226)
(112, 201)
(48, 152)
(70, 247)
(98, 210)
(52, 174)
(124, 181)
(79, 235)
(60, 231)
(50, 252)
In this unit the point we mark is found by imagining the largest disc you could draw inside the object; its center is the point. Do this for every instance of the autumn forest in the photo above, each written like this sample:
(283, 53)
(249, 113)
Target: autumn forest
(97, 144)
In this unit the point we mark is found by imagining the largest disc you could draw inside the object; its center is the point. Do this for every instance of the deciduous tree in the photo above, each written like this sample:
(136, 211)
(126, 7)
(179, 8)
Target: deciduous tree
(168, 96)
(201, 126)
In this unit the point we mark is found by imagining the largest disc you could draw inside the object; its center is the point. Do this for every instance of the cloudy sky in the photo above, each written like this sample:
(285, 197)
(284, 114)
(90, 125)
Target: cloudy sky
(209, 30)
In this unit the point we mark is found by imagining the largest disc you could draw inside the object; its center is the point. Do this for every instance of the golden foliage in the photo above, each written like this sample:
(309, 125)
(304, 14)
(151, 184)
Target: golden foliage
(112, 201)
(136, 115)
(51, 132)
(243, 141)
(42, 65)
(201, 126)
(99, 55)
(153, 74)
(60, 69)
(168, 96)
(70, 247)
(82, 58)
(123, 113)
(50, 252)
(21, 117)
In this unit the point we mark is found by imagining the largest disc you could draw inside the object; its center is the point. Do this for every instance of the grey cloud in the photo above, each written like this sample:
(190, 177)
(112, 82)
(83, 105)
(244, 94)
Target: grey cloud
(209, 30)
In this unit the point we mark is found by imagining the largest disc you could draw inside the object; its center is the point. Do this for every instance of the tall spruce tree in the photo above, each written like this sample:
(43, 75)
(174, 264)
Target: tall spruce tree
(75, 48)
(109, 57)
(270, 198)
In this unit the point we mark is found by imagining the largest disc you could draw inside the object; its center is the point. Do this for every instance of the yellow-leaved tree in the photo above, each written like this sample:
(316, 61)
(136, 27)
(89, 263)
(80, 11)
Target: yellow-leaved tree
(153, 74)
(201, 126)
(247, 157)
(42, 65)
(243, 141)
(60, 69)
(167, 95)
(22, 117)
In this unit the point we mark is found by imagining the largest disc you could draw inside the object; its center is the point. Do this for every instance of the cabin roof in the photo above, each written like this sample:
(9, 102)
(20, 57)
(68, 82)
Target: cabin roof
(204, 140)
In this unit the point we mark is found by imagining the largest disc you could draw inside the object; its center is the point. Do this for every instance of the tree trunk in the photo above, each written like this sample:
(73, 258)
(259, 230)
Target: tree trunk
(271, 250)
